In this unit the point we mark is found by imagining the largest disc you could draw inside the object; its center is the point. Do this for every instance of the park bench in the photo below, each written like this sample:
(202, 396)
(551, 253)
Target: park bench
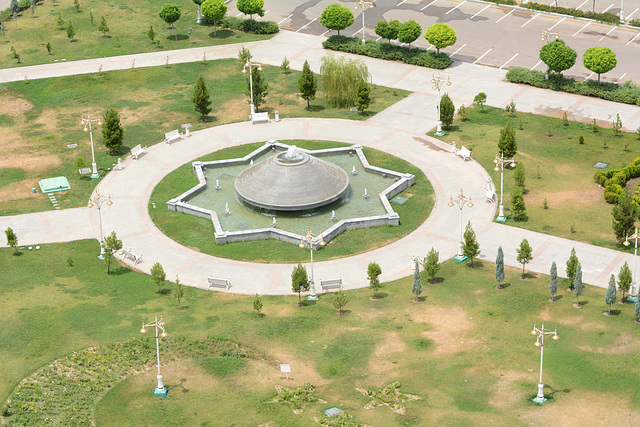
(462, 152)
(325, 285)
(219, 283)
(129, 254)
(259, 117)
(172, 136)
(137, 151)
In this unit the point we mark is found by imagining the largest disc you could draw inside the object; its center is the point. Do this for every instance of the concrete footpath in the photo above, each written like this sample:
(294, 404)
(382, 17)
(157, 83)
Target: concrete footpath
(398, 130)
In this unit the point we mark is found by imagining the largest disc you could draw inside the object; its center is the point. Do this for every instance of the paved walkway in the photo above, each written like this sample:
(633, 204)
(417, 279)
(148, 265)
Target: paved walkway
(398, 130)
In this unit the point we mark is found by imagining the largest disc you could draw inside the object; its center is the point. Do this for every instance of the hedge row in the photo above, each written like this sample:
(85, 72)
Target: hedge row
(628, 93)
(615, 179)
(507, 2)
(382, 50)
(608, 17)
(240, 24)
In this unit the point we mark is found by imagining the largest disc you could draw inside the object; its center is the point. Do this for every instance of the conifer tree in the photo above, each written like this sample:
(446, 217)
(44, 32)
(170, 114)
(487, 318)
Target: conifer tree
(373, 272)
(624, 280)
(340, 301)
(624, 215)
(201, 99)
(260, 86)
(518, 207)
(500, 267)
(553, 281)
(577, 285)
(363, 98)
(103, 27)
(471, 247)
(431, 265)
(447, 110)
(572, 264)
(611, 295)
(112, 131)
(507, 142)
(525, 254)
(308, 84)
(416, 288)
(257, 304)
(299, 281)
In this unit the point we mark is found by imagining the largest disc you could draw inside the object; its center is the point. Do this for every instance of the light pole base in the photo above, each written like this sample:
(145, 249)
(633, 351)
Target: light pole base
(101, 257)
(95, 175)
(540, 401)
(161, 392)
(440, 133)
(312, 298)
(460, 258)
(632, 299)
(501, 219)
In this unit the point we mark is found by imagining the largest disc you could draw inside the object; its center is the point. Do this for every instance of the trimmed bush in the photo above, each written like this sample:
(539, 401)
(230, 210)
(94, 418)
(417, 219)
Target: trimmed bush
(381, 50)
(614, 180)
(241, 24)
(607, 17)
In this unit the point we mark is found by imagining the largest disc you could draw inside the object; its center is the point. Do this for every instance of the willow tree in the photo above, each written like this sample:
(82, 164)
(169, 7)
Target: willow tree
(340, 79)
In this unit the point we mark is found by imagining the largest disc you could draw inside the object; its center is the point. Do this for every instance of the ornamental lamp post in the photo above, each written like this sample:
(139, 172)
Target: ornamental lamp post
(461, 201)
(439, 81)
(311, 240)
(500, 161)
(98, 200)
(161, 390)
(634, 287)
(364, 4)
(250, 65)
(87, 123)
(540, 333)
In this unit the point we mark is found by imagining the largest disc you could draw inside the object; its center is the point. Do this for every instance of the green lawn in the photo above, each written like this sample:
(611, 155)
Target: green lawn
(128, 23)
(558, 169)
(465, 350)
(41, 118)
(197, 233)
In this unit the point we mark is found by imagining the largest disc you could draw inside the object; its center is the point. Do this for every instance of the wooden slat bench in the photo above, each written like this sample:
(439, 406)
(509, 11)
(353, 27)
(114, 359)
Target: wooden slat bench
(219, 283)
(325, 285)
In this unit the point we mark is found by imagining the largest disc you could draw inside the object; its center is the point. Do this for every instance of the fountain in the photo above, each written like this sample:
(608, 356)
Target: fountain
(218, 184)
(354, 171)
(366, 195)
(226, 208)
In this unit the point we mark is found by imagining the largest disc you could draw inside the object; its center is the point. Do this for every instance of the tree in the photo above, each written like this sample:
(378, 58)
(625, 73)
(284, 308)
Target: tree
(178, 292)
(599, 60)
(416, 288)
(507, 144)
(440, 35)
(12, 239)
(525, 254)
(624, 280)
(70, 32)
(60, 21)
(285, 66)
(158, 275)
(251, 7)
(340, 301)
(409, 32)
(200, 98)
(15, 8)
(480, 100)
(260, 86)
(373, 273)
(112, 131)
(79, 163)
(76, 4)
(519, 176)
(299, 281)
(388, 30)
(518, 207)
(611, 296)
(616, 126)
(336, 17)
(307, 84)
(471, 247)
(170, 13)
(48, 46)
(110, 244)
(214, 11)
(499, 267)
(432, 265)
(557, 56)
(624, 215)
(553, 281)
(447, 110)
(637, 311)
(363, 98)
(103, 27)
(151, 34)
(464, 113)
(577, 285)
(511, 108)
(340, 78)
(257, 304)
(572, 265)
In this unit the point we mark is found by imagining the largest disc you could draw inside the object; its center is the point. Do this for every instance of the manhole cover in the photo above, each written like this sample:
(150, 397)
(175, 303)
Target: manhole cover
(600, 165)
(398, 200)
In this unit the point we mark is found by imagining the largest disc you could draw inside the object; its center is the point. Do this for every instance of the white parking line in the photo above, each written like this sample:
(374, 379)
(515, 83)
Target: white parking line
(324, 33)
(634, 37)
(400, 3)
(457, 6)
(512, 58)
(478, 13)
(589, 76)
(585, 2)
(359, 31)
(512, 10)
(239, 13)
(610, 6)
(267, 12)
(285, 19)
(429, 4)
(458, 50)
(539, 62)
(534, 17)
(631, 14)
(557, 23)
(585, 26)
(622, 76)
(307, 24)
(378, 38)
(610, 31)
(476, 61)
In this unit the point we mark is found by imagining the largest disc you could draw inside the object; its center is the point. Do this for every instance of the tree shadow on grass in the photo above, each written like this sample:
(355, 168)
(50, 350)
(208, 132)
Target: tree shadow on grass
(477, 264)
(181, 37)
(381, 295)
(505, 285)
(119, 270)
(316, 108)
(558, 297)
(222, 33)
(165, 291)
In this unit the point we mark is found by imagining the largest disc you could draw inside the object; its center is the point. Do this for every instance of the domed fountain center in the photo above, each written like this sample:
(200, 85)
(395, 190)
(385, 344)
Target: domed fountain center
(292, 181)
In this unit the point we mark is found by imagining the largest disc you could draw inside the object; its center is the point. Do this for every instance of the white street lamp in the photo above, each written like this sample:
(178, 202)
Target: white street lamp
(87, 123)
(547, 34)
(540, 343)
(313, 242)
(98, 200)
(438, 82)
(364, 4)
(635, 237)
(461, 201)
(250, 65)
(500, 161)
(622, 11)
(161, 390)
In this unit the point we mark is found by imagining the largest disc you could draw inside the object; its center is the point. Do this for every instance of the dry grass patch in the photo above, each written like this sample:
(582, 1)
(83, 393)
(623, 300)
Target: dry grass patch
(451, 329)
(624, 344)
(505, 394)
(14, 106)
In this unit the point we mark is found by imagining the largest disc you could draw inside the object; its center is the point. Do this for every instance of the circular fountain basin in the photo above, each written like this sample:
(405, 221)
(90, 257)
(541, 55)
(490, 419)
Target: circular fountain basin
(292, 181)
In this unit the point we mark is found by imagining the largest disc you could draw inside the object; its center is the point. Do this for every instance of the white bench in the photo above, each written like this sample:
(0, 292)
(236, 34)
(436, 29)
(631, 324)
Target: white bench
(490, 192)
(219, 283)
(137, 151)
(128, 254)
(462, 152)
(325, 285)
(259, 117)
(172, 136)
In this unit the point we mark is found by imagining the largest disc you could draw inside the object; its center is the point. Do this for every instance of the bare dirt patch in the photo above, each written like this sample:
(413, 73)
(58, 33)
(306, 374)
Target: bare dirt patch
(624, 344)
(571, 321)
(30, 162)
(14, 106)
(301, 370)
(18, 191)
(559, 198)
(505, 394)
(451, 329)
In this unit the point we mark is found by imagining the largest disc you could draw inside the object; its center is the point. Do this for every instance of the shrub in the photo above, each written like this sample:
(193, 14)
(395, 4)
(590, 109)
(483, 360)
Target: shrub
(607, 17)
(614, 180)
(241, 24)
